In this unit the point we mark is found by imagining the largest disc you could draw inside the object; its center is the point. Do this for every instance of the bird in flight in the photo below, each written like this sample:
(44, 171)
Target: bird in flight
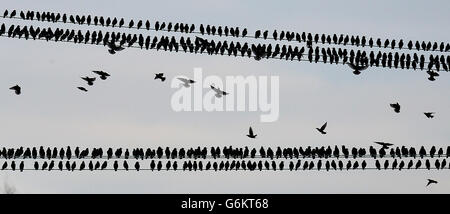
(160, 76)
(357, 68)
(429, 114)
(103, 75)
(385, 145)
(219, 93)
(187, 82)
(89, 80)
(113, 48)
(430, 181)
(250, 133)
(82, 88)
(432, 75)
(16, 89)
(396, 107)
(322, 129)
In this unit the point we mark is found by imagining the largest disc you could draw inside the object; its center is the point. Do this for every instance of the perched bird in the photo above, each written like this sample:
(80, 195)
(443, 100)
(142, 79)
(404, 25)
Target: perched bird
(187, 82)
(430, 181)
(357, 68)
(396, 107)
(89, 80)
(16, 89)
(383, 144)
(250, 133)
(322, 129)
(160, 76)
(103, 75)
(82, 88)
(429, 114)
(219, 93)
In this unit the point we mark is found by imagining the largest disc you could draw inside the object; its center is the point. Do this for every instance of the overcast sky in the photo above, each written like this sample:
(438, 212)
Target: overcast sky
(132, 110)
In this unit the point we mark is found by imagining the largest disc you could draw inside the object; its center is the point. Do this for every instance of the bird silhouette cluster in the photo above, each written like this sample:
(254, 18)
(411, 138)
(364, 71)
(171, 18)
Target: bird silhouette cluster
(227, 152)
(226, 31)
(226, 165)
(357, 60)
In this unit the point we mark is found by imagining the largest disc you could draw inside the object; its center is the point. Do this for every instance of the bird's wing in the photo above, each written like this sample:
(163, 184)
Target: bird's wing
(218, 91)
(323, 126)
(183, 80)
(352, 66)
(250, 131)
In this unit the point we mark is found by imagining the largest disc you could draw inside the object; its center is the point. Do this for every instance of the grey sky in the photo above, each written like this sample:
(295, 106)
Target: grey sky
(131, 109)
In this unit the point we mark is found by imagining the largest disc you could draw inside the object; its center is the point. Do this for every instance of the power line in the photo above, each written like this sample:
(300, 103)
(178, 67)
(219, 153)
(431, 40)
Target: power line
(292, 58)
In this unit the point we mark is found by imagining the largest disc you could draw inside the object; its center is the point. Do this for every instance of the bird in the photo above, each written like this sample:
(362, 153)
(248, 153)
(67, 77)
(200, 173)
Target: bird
(113, 48)
(432, 75)
(160, 76)
(187, 82)
(251, 134)
(430, 181)
(219, 93)
(17, 89)
(429, 114)
(322, 129)
(82, 88)
(89, 80)
(383, 144)
(396, 107)
(103, 75)
(357, 68)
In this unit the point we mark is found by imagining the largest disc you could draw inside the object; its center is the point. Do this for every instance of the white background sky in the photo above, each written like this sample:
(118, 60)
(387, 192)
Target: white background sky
(131, 109)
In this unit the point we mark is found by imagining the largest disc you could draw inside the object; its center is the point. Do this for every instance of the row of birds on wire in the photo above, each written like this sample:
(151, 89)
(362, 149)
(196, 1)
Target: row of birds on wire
(358, 61)
(227, 152)
(226, 31)
(228, 165)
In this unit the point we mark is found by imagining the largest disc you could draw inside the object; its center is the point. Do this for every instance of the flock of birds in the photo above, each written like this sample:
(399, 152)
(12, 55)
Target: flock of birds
(357, 61)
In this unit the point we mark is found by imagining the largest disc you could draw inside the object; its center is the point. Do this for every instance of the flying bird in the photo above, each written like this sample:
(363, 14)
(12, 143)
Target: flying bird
(219, 93)
(160, 76)
(82, 88)
(396, 107)
(251, 134)
(103, 75)
(113, 48)
(383, 144)
(357, 68)
(187, 82)
(432, 75)
(89, 80)
(430, 181)
(429, 114)
(322, 129)
(16, 89)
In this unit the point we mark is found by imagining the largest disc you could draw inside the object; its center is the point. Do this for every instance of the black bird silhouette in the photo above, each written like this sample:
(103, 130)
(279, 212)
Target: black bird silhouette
(219, 93)
(113, 48)
(430, 181)
(357, 68)
(396, 107)
(187, 82)
(250, 133)
(160, 76)
(383, 144)
(89, 80)
(322, 129)
(82, 88)
(103, 75)
(429, 114)
(432, 75)
(115, 165)
(125, 165)
(137, 166)
(16, 89)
